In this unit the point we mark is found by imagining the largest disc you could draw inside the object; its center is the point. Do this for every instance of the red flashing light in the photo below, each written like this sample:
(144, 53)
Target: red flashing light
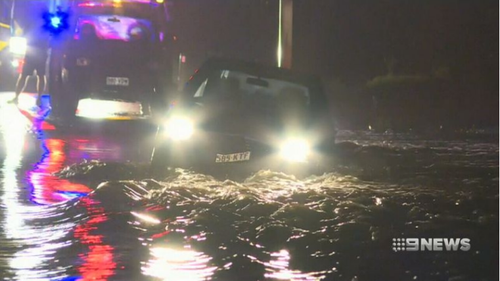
(90, 4)
(115, 3)
(20, 66)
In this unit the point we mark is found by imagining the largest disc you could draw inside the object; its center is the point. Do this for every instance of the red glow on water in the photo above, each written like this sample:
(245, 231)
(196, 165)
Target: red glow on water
(98, 263)
(48, 188)
(38, 123)
(47, 126)
(155, 208)
(159, 235)
(97, 219)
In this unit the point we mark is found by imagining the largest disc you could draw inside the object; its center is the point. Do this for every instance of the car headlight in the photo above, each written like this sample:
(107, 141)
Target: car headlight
(295, 150)
(18, 45)
(179, 128)
(15, 63)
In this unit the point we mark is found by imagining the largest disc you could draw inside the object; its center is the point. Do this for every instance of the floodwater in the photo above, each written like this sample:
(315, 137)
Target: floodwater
(81, 205)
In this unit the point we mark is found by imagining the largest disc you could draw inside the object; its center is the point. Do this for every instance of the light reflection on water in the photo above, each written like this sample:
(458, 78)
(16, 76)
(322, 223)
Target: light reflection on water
(48, 188)
(39, 244)
(41, 241)
(97, 260)
(271, 226)
(14, 144)
(178, 265)
(279, 268)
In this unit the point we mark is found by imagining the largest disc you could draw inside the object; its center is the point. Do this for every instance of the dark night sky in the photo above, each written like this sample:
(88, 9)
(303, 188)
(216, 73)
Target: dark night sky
(350, 40)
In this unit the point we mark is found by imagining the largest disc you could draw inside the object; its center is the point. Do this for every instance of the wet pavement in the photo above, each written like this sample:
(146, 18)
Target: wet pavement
(80, 204)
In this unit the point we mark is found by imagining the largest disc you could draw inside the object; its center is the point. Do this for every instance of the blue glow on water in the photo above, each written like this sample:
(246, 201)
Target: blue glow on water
(72, 194)
(71, 278)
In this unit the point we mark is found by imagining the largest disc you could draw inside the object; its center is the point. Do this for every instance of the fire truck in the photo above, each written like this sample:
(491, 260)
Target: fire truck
(108, 58)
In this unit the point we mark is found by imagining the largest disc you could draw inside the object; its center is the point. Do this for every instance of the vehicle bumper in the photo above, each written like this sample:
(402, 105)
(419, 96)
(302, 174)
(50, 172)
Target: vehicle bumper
(111, 110)
(201, 156)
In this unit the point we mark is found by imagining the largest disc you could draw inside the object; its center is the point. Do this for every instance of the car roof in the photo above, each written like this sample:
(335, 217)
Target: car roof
(262, 70)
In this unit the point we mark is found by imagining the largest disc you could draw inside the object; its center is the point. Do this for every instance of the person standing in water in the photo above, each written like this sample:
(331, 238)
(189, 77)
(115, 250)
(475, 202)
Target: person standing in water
(35, 58)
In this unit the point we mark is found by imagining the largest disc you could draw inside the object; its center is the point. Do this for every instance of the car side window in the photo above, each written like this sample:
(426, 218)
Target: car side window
(218, 86)
(263, 96)
(201, 90)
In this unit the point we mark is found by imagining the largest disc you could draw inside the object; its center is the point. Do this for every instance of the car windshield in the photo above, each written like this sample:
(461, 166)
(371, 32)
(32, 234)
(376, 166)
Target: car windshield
(260, 96)
(113, 27)
(263, 90)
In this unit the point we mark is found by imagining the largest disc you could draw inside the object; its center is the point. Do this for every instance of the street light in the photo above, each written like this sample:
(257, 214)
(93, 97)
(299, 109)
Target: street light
(285, 33)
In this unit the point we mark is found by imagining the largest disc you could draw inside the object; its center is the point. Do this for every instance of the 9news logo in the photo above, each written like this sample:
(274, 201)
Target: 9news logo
(430, 244)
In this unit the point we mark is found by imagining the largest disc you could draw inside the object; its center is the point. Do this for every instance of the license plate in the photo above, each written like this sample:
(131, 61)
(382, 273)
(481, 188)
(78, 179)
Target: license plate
(235, 157)
(117, 81)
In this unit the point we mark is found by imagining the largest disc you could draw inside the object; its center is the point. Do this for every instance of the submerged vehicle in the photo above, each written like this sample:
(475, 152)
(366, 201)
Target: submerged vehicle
(237, 116)
(112, 63)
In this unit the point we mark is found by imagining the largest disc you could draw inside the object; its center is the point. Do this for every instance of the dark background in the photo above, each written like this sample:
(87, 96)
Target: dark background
(390, 64)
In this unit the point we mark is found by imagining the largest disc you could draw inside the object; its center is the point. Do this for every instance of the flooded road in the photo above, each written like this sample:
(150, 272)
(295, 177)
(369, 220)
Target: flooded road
(81, 205)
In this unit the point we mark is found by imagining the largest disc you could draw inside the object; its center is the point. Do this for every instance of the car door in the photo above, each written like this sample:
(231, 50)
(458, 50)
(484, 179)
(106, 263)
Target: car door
(223, 123)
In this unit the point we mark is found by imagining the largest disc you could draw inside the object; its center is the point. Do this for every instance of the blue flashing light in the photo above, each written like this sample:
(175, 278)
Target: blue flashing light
(55, 21)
